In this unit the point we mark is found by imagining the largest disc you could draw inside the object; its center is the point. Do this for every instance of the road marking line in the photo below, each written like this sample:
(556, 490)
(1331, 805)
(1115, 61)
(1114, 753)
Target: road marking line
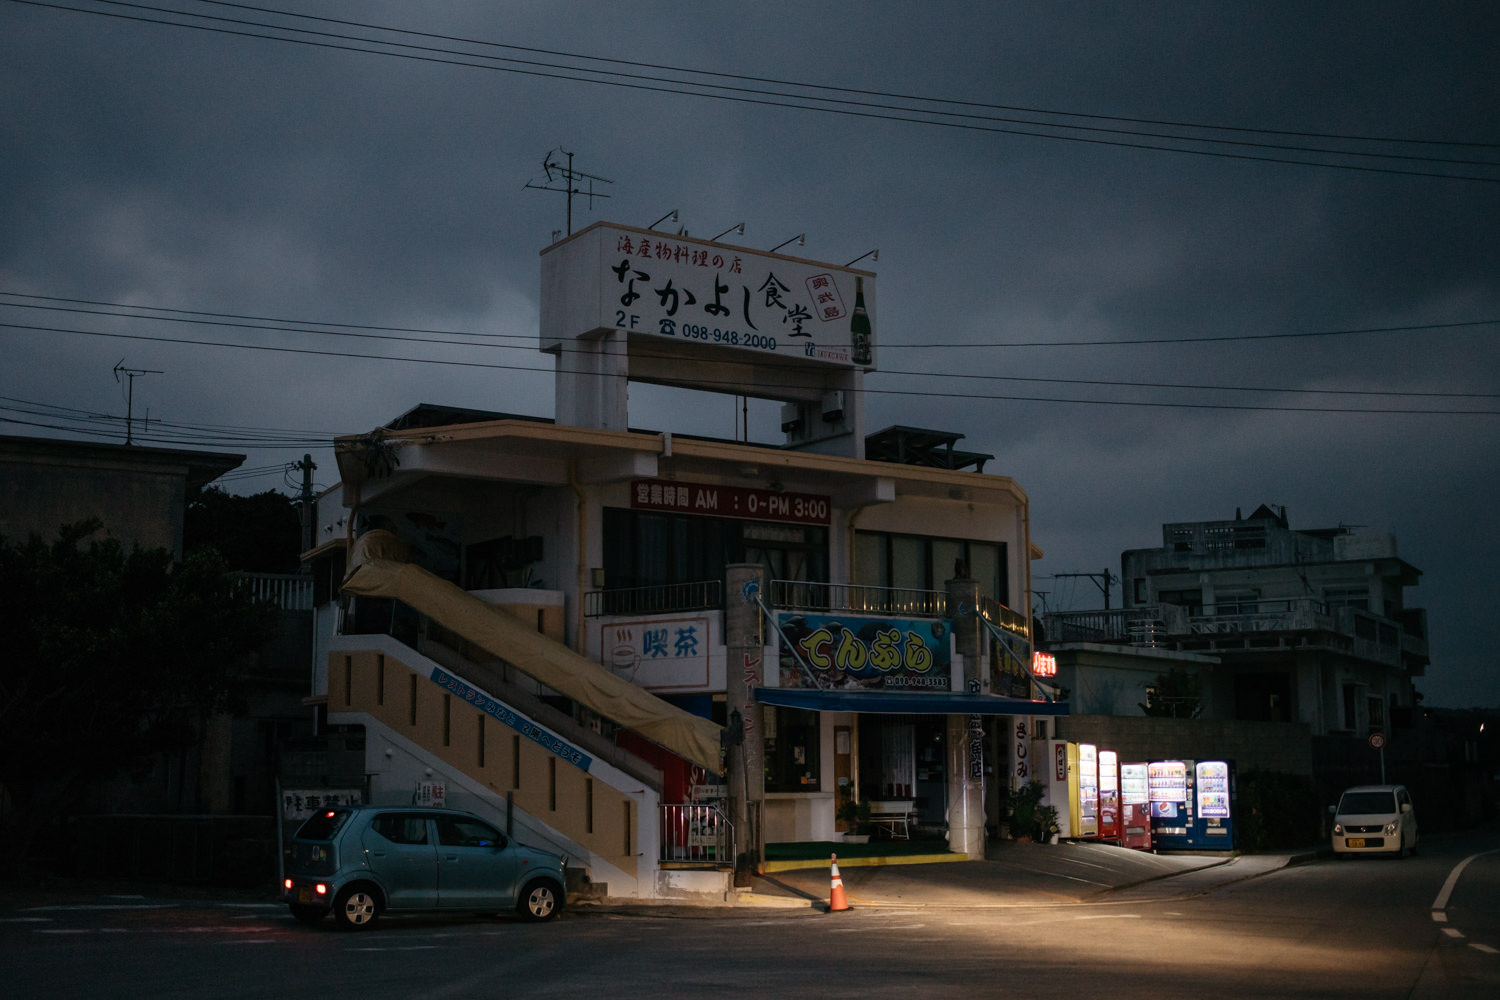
(1441, 903)
(1484, 948)
(1453, 932)
(1440, 916)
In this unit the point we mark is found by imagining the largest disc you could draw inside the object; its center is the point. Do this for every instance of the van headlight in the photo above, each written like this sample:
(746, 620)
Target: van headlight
(1338, 829)
(1390, 829)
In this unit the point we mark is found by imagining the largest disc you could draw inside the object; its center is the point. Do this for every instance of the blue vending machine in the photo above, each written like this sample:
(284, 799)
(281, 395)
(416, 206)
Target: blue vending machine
(1192, 804)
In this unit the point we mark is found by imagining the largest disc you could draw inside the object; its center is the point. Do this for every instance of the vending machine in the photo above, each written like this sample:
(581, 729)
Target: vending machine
(1135, 807)
(1166, 782)
(1110, 828)
(1214, 789)
(1071, 776)
(1086, 802)
(1192, 804)
(1058, 771)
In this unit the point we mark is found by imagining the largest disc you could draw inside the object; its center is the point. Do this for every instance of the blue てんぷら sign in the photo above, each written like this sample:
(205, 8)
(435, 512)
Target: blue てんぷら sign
(849, 651)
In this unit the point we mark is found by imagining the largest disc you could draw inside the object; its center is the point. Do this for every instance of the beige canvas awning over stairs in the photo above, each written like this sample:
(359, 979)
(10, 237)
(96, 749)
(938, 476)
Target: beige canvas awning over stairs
(377, 570)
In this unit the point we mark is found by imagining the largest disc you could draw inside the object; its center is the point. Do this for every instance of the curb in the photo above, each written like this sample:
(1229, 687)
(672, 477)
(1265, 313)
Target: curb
(870, 862)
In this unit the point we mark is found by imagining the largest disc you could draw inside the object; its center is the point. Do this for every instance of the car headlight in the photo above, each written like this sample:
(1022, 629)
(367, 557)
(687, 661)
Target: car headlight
(1390, 829)
(1338, 829)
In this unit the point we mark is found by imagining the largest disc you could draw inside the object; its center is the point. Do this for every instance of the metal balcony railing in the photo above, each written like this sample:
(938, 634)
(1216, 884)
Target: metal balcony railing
(801, 595)
(696, 834)
(701, 595)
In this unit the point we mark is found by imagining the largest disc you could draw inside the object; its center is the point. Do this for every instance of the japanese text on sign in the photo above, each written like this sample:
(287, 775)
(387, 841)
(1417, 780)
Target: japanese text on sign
(674, 287)
(515, 720)
(866, 652)
(729, 501)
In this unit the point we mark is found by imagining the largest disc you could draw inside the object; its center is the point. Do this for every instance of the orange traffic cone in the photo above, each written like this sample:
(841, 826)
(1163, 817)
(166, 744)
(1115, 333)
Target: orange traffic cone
(836, 900)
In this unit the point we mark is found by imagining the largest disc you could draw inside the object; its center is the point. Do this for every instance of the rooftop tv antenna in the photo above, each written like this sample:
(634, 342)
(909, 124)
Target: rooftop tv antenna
(569, 179)
(131, 373)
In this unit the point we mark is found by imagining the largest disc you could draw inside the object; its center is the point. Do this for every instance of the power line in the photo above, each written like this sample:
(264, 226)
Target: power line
(283, 325)
(348, 330)
(848, 90)
(827, 105)
(768, 386)
(107, 425)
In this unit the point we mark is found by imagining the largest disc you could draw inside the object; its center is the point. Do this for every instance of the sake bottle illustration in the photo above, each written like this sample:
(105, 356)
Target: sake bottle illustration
(859, 326)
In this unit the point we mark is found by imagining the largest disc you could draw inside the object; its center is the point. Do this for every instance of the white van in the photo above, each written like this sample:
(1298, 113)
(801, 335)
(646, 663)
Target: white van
(1375, 819)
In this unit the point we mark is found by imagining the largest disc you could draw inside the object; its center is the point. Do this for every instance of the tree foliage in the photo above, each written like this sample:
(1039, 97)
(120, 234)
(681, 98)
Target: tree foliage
(1176, 694)
(113, 657)
(255, 534)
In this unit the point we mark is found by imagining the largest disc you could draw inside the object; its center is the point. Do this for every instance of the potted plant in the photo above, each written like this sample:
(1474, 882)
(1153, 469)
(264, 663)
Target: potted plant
(1025, 803)
(856, 817)
(1046, 824)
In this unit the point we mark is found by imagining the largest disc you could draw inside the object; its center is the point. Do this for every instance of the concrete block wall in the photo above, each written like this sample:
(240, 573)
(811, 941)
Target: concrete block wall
(1272, 746)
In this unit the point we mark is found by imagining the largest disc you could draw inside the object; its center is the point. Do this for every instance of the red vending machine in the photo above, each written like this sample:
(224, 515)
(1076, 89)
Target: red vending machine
(1135, 807)
(1110, 827)
(1087, 821)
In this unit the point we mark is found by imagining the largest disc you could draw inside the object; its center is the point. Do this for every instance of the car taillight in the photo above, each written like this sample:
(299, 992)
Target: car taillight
(321, 889)
(286, 883)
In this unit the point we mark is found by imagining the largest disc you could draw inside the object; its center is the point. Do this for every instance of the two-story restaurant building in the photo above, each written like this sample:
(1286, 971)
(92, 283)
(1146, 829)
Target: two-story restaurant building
(658, 652)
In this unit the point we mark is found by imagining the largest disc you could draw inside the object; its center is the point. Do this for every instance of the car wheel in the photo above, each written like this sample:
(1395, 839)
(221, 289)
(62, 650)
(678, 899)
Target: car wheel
(356, 907)
(307, 914)
(540, 900)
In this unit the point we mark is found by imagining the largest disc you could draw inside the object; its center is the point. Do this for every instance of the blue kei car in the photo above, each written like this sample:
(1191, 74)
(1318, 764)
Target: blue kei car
(361, 861)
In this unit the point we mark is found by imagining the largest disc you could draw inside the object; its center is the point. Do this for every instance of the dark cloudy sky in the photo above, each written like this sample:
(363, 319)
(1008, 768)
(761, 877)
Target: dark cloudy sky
(1117, 320)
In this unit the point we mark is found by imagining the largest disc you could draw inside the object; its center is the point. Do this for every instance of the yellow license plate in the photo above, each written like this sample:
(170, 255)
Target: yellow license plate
(304, 895)
(1356, 842)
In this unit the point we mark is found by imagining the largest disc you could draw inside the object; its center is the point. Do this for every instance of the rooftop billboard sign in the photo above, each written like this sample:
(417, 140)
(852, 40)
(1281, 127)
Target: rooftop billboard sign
(617, 278)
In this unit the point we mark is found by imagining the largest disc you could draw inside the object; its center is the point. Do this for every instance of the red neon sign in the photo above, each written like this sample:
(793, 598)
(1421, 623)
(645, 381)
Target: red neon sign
(1043, 664)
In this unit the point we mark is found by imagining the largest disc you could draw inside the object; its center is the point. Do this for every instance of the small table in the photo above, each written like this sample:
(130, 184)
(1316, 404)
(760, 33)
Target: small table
(893, 817)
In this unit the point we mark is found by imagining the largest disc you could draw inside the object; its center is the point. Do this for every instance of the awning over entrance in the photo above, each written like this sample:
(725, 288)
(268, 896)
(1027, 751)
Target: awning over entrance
(905, 704)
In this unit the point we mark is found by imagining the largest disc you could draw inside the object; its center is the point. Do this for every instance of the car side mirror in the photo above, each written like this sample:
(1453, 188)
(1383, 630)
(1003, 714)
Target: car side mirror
(1332, 810)
(1406, 807)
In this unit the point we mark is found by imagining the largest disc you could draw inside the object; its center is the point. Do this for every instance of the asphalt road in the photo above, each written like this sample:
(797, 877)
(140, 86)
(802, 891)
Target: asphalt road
(1370, 928)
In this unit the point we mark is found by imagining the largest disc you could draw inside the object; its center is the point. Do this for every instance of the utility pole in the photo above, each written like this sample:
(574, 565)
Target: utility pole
(569, 178)
(307, 467)
(1101, 580)
(131, 373)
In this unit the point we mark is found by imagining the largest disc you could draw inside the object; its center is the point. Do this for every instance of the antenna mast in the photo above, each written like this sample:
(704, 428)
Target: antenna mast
(569, 179)
(131, 373)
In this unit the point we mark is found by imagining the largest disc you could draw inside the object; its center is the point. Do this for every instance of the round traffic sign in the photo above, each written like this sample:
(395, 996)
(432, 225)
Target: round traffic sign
(1377, 740)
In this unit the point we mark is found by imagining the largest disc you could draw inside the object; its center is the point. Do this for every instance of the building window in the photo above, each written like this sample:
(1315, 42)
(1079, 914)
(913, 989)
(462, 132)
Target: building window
(1190, 600)
(1347, 597)
(793, 750)
(918, 562)
(648, 549)
(1236, 602)
(1351, 707)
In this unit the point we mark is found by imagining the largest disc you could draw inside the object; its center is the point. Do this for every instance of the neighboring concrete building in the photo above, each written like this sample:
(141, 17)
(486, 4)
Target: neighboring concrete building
(556, 623)
(139, 494)
(1307, 628)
